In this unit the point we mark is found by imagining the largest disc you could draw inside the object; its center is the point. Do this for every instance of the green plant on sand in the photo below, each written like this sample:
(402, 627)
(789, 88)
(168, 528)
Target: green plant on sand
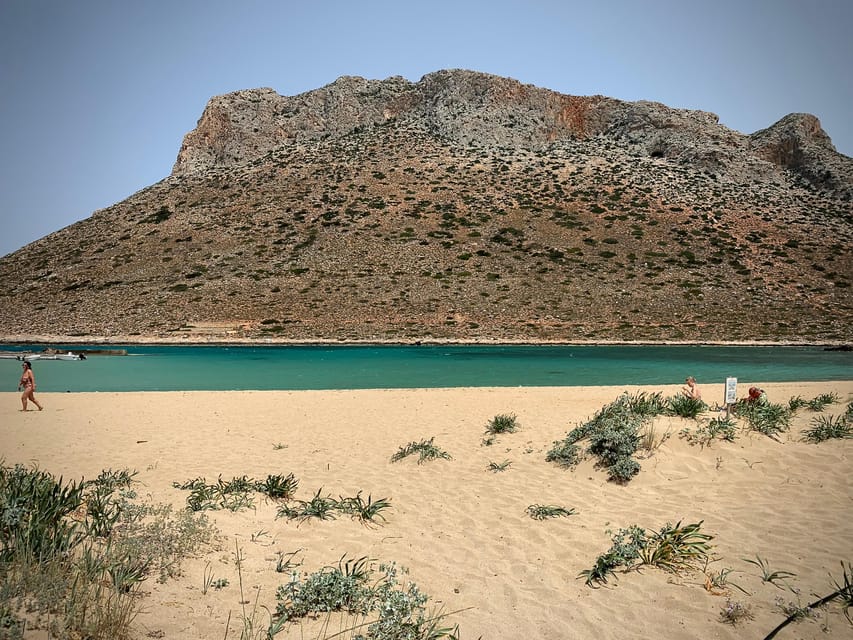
(503, 423)
(425, 449)
(716, 429)
(543, 511)
(379, 606)
(765, 417)
(824, 428)
(674, 548)
(84, 576)
(685, 407)
(365, 511)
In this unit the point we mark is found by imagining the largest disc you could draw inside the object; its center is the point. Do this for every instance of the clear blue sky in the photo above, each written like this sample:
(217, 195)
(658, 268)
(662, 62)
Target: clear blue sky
(98, 94)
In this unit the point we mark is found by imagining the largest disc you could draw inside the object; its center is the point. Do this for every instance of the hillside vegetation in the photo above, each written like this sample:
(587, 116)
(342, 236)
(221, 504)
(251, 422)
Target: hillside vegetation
(407, 225)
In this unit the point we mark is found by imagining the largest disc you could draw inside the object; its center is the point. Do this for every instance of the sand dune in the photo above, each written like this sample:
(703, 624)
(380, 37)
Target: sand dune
(462, 530)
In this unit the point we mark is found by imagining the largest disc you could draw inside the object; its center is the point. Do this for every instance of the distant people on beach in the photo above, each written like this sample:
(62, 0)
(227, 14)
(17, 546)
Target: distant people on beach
(691, 389)
(28, 384)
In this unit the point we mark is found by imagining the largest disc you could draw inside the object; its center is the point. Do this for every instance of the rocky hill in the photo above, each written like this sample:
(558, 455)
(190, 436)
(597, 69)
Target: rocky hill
(465, 207)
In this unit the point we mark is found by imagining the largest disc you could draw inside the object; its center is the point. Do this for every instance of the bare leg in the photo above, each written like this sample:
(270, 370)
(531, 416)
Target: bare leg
(33, 398)
(24, 399)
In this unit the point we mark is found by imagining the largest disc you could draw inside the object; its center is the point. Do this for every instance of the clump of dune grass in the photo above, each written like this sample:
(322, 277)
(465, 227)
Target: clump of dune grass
(819, 403)
(543, 511)
(236, 494)
(613, 435)
(425, 449)
(499, 466)
(718, 583)
(365, 511)
(378, 605)
(503, 423)
(767, 574)
(75, 554)
(278, 487)
(765, 417)
(651, 439)
(673, 548)
(565, 453)
(795, 403)
(684, 407)
(320, 507)
(824, 428)
(716, 429)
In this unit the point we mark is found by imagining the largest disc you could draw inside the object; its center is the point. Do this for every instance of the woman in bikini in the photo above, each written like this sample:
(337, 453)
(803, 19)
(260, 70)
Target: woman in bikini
(28, 384)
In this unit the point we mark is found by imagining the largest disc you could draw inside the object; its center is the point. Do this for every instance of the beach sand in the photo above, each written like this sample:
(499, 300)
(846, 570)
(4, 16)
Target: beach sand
(460, 529)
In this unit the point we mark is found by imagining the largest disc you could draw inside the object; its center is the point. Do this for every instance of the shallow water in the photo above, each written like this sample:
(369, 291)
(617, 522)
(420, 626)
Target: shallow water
(188, 368)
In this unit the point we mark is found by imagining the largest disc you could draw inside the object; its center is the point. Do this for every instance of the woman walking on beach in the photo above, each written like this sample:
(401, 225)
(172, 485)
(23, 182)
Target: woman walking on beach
(28, 384)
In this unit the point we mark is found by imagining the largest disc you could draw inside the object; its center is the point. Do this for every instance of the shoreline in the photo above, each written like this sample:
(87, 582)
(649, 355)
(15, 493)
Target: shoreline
(100, 341)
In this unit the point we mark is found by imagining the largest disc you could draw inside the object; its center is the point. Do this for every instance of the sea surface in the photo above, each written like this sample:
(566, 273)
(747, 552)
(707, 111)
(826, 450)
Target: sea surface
(189, 368)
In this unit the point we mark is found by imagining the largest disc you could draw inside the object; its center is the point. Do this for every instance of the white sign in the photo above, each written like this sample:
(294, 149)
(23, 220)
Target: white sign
(731, 390)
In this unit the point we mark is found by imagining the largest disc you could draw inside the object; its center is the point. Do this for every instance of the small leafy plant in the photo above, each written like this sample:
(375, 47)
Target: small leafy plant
(566, 454)
(796, 403)
(286, 561)
(824, 428)
(236, 494)
(320, 507)
(278, 487)
(543, 511)
(365, 511)
(685, 407)
(716, 429)
(425, 449)
(674, 548)
(353, 588)
(765, 417)
(503, 423)
(767, 575)
(613, 435)
(734, 612)
(819, 403)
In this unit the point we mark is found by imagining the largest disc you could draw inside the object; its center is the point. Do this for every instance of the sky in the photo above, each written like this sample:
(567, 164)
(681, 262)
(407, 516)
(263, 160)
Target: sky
(96, 95)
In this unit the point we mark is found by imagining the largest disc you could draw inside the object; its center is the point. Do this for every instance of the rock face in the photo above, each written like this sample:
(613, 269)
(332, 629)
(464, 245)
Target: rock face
(471, 108)
(461, 207)
(798, 143)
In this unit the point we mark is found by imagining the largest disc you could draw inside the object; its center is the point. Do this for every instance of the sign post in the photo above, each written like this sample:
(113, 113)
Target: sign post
(731, 394)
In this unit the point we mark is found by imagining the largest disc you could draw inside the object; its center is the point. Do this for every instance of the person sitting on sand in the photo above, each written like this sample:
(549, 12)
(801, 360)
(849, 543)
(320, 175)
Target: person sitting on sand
(756, 396)
(28, 384)
(692, 389)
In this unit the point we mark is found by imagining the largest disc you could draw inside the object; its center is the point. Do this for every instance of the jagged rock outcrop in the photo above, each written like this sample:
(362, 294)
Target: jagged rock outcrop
(472, 108)
(798, 143)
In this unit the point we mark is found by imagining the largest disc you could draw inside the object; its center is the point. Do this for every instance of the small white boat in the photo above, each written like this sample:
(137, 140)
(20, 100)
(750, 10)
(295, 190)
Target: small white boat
(67, 356)
(29, 357)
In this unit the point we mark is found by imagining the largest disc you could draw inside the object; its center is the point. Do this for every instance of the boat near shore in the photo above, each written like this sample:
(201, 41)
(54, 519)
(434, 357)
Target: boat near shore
(29, 357)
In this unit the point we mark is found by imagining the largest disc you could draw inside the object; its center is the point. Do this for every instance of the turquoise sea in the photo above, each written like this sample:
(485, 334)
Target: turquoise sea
(174, 368)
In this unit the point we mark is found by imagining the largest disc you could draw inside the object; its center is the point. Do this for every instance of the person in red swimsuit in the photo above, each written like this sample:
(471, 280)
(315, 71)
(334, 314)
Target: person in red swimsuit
(28, 384)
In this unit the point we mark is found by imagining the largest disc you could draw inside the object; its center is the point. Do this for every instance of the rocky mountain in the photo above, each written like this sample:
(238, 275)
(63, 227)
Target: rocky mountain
(464, 207)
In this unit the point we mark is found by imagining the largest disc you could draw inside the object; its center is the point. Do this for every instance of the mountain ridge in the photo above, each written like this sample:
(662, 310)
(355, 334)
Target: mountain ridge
(461, 207)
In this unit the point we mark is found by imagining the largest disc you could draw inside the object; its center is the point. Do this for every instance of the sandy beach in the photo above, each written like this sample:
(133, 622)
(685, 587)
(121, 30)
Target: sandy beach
(463, 530)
